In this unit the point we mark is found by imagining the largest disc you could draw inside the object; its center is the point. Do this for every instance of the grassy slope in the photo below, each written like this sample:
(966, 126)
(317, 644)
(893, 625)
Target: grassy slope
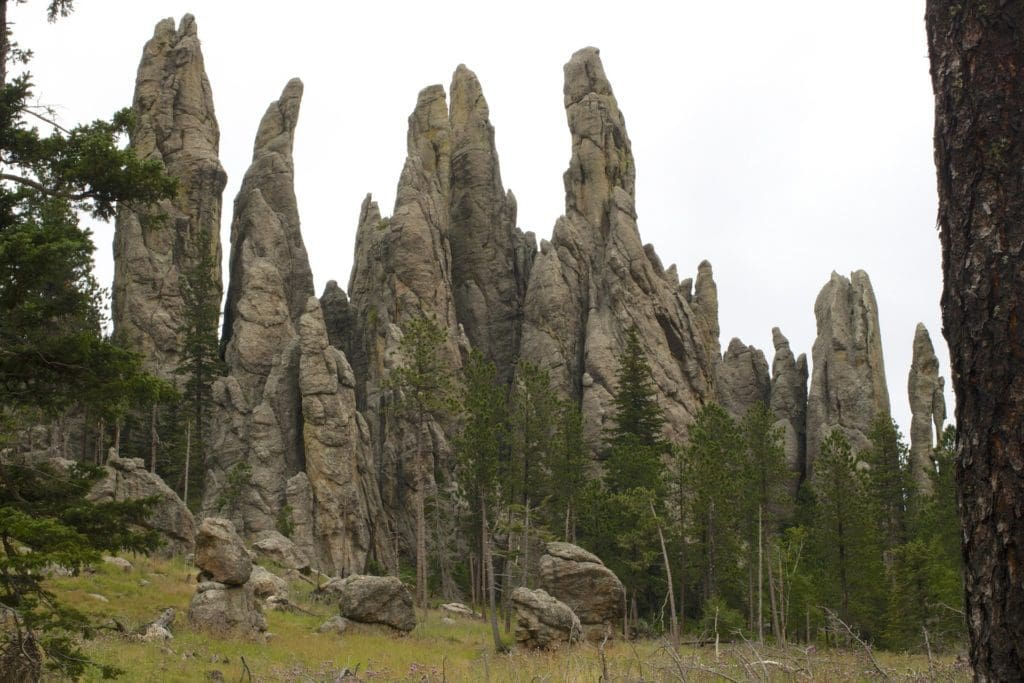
(435, 651)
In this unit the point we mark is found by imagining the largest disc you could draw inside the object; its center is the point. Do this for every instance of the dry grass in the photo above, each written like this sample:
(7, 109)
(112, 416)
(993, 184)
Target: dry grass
(434, 651)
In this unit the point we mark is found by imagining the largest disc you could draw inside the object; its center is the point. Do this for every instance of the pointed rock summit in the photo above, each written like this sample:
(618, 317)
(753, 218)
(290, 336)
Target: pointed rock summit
(743, 379)
(848, 388)
(789, 405)
(927, 407)
(156, 246)
(595, 279)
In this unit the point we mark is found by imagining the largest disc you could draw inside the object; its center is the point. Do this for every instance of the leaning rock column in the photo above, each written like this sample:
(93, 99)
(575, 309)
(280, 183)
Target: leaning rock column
(927, 408)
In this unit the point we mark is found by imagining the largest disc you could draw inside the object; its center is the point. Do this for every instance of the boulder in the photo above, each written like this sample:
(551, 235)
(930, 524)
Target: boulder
(274, 546)
(580, 580)
(374, 600)
(129, 479)
(227, 611)
(457, 609)
(265, 583)
(543, 622)
(118, 562)
(220, 553)
(336, 625)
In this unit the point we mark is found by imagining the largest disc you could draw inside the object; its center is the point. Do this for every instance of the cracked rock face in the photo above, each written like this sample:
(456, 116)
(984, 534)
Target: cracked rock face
(285, 414)
(848, 388)
(743, 379)
(595, 279)
(789, 406)
(927, 407)
(155, 246)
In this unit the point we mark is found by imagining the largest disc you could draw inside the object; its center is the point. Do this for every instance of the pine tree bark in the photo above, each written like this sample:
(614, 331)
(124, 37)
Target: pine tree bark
(977, 68)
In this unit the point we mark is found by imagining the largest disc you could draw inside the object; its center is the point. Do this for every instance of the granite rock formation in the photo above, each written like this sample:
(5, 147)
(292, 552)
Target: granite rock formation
(927, 408)
(743, 379)
(225, 600)
(543, 622)
(156, 246)
(129, 479)
(221, 554)
(595, 279)
(374, 600)
(285, 415)
(788, 404)
(580, 580)
(848, 388)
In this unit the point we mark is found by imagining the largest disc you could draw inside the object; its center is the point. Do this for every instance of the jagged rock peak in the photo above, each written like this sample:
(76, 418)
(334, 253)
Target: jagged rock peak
(743, 379)
(266, 217)
(602, 157)
(337, 316)
(788, 404)
(848, 387)
(491, 258)
(175, 124)
(927, 407)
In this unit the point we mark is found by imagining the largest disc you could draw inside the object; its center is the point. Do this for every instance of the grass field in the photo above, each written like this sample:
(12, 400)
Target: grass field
(434, 651)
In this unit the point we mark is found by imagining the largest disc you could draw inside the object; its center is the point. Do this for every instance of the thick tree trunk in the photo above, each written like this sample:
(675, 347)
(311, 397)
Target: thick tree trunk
(977, 67)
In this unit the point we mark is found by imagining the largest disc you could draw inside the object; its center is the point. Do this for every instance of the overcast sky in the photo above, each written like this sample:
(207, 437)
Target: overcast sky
(779, 140)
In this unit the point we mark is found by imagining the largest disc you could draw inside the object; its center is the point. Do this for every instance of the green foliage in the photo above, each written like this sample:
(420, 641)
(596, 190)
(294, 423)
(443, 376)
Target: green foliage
(285, 523)
(46, 521)
(480, 445)
(718, 618)
(637, 416)
(887, 479)
(534, 419)
(567, 470)
(423, 383)
(847, 549)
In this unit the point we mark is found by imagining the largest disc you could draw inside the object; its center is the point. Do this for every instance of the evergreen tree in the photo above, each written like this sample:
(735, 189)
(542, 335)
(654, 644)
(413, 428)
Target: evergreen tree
(53, 358)
(424, 391)
(567, 470)
(635, 437)
(200, 359)
(888, 481)
(479, 449)
(847, 550)
(534, 421)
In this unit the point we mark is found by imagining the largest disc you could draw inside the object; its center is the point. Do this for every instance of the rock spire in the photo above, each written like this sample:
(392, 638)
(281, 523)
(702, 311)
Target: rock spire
(927, 407)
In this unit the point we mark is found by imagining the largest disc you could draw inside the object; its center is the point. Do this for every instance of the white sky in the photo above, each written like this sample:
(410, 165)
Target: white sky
(780, 140)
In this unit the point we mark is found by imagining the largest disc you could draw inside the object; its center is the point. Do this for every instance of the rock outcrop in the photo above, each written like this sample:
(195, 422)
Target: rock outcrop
(743, 379)
(374, 600)
(155, 247)
(543, 622)
(225, 601)
(256, 415)
(595, 279)
(927, 408)
(848, 388)
(580, 580)
(789, 406)
(285, 415)
(220, 553)
(276, 547)
(128, 479)
(491, 257)
(401, 272)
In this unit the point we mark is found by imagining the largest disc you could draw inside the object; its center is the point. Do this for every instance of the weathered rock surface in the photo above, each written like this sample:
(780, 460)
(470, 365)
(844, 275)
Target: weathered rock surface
(348, 516)
(220, 553)
(743, 379)
(789, 405)
(256, 414)
(265, 583)
(402, 271)
(337, 317)
(848, 388)
(227, 611)
(175, 124)
(927, 407)
(595, 279)
(543, 622)
(374, 600)
(580, 580)
(278, 548)
(128, 479)
(336, 625)
(490, 267)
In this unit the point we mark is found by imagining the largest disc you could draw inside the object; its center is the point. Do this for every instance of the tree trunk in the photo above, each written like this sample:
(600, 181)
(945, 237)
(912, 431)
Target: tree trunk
(152, 439)
(977, 58)
(771, 597)
(421, 522)
(188, 455)
(489, 568)
(668, 578)
(760, 579)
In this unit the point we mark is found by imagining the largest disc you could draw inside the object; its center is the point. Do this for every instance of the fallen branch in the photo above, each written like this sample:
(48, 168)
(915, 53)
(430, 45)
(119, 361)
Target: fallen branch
(836, 621)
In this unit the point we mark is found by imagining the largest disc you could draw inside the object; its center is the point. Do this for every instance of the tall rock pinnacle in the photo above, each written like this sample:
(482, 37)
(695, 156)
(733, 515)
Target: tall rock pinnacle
(927, 407)
(156, 246)
(789, 405)
(595, 279)
(848, 387)
(285, 422)
(743, 379)
(488, 274)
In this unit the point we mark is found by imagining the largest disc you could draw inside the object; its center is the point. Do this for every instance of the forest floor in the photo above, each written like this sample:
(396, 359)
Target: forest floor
(434, 651)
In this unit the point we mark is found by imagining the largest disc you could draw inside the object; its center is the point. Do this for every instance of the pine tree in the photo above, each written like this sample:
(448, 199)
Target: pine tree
(479, 449)
(424, 392)
(567, 470)
(534, 414)
(888, 480)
